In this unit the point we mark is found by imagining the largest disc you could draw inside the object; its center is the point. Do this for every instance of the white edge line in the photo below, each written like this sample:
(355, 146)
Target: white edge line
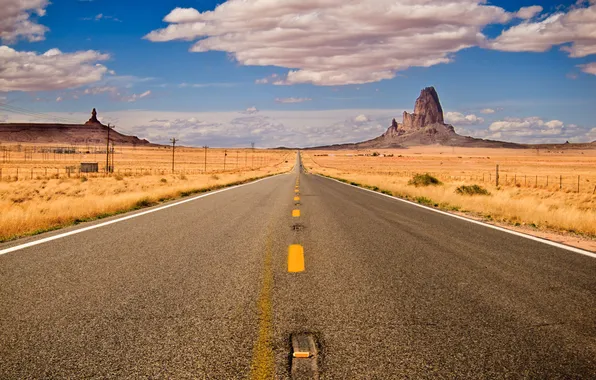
(535, 238)
(74, 232)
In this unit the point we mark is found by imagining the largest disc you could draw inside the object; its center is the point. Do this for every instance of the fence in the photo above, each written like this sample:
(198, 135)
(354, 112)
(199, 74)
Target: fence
(19, 162)
(507, 177)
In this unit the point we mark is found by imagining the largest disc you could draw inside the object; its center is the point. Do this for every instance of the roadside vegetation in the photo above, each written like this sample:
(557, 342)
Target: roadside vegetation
(29, 207)
(537, 209)
(471, 190)
(424, 180)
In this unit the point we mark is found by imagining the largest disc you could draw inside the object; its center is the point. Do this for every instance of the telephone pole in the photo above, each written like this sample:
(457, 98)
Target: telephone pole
(108, 169)
(252, 145)
(173, 141)
(205, 147)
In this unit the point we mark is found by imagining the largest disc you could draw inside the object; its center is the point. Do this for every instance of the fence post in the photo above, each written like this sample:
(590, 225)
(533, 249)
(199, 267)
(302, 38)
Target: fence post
(31, 173)
(546, 181)
(560, 182)
(497, 176)
(578, 184)
(0, 174)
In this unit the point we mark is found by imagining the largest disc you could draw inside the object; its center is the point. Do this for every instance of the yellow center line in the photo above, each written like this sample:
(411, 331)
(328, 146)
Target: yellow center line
(263, 364)
(295, 213)
(296, 198)
(295, 258)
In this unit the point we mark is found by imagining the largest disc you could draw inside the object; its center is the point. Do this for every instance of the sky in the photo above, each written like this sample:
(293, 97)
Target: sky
(300, 72)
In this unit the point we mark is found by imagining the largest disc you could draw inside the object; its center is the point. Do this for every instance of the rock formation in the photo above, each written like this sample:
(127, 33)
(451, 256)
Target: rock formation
(92, 132)
(93, 119)
(426, 126)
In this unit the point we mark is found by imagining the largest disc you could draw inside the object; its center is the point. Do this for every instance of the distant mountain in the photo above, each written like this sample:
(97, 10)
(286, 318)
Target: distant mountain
(426, 126)
(92, 133)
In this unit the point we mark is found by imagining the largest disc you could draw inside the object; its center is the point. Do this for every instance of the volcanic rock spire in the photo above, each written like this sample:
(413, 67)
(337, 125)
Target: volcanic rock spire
(427, 111)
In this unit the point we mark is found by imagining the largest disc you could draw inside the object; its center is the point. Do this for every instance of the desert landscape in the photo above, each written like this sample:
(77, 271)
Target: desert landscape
(539, 191)
(295, 189)
(42, 186)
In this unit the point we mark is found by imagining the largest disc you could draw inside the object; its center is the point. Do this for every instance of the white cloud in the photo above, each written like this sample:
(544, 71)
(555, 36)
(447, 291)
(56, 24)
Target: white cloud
(576, 27)
(59, 99)
(251, 110)
(334, 42)
(204, 85)
(529, 12)
(535, 130)
(16, 20)
(135, 97)
(52, 70)
(457, 118)
(487, 111)
(292, 100)
(591, 135)
(101, 90)
(101, 16)
(589, 68)
(361, 118)
(273, 78)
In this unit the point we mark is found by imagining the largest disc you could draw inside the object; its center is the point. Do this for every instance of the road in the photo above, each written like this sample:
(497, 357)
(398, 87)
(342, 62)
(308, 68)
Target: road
(202, 290)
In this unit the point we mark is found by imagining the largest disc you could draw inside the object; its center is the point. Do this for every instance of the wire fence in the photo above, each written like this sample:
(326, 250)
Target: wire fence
(501, 176)
(19, 162)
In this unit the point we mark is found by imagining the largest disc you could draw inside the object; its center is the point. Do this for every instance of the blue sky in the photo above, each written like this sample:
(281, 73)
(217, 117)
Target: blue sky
(299, 72)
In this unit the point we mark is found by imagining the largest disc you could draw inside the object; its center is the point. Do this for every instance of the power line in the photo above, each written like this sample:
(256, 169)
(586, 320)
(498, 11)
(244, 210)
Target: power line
(35, 114)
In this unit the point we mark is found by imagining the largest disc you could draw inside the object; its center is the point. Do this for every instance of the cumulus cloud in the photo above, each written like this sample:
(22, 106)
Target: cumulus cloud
(457, 118)
(487, 111)
(17, 20)
(273, 79)
(251, 110)
(292, 100)
(535, 130)
(52, 70)
(528, 12)
(334, 42)
(589, 68)
(361, 118)
(575, 27)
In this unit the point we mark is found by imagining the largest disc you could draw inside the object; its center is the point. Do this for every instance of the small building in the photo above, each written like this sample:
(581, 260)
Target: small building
(89, 167)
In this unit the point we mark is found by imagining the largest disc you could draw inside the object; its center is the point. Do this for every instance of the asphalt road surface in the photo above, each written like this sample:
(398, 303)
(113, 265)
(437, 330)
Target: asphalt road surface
(203, 290)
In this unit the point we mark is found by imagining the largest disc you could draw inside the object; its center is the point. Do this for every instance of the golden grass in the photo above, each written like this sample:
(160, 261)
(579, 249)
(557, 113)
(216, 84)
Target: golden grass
(542, 207)
(30, 206)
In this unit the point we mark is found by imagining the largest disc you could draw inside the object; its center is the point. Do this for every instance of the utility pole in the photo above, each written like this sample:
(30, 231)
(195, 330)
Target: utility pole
(173, 141)
(252, 145)
(112, 156)
(108, 169)
(497, 176)
(225, 155)
(205, 147)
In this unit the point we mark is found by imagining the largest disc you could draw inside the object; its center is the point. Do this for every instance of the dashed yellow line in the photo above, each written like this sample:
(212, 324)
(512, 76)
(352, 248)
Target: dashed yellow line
(296, 198)
(295, 213)
(295, 258)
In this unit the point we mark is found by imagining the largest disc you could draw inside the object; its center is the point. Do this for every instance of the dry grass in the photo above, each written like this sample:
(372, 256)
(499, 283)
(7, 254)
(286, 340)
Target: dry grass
(48, 161)
(542, 207)
(30, 206)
